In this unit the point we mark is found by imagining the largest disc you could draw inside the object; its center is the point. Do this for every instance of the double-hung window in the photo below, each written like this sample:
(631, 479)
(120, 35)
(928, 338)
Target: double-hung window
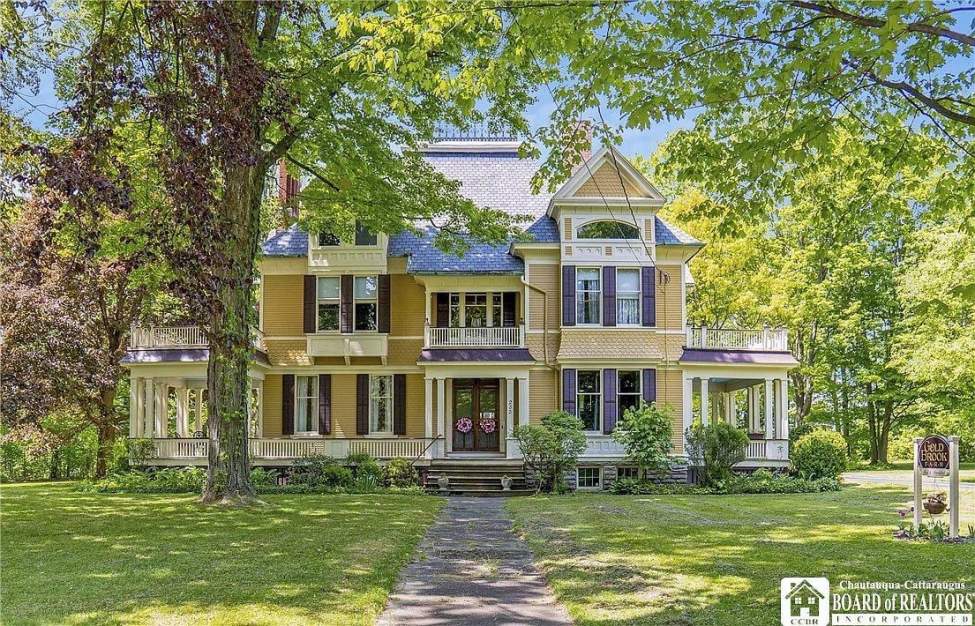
(366, 302)
(306, 399)
(328, 302)
(381, 404)
(589, 478)
(628, 394)
(588, 399)
(628, 296)
(588, 289)
(497, 310)
(475, 310)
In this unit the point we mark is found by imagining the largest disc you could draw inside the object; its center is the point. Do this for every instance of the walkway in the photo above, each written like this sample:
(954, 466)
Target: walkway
(470, 568)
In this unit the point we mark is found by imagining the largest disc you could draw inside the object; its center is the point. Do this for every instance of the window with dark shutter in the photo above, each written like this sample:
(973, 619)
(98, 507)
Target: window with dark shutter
(384, 296)
(308, 304)
(569, 391)
(362, 404)
(609, 295)
(568, 295)
(609, 401)
(324, 404)
(345, 306)
(288, 404)
(399, 404)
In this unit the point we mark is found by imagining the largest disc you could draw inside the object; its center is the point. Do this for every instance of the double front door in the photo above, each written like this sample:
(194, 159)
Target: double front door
(477, 422)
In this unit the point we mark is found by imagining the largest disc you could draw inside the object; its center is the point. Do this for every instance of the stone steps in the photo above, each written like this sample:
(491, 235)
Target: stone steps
(477, 478)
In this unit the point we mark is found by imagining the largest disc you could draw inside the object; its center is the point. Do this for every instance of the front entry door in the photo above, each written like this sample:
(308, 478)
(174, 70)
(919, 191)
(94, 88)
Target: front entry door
(477, 424)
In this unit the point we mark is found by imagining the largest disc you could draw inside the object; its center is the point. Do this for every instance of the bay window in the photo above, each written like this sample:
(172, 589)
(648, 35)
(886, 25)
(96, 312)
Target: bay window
(366, 302)
(589, 399)
(588, 290)
(328, 302)
(381, 404)
(628, 296)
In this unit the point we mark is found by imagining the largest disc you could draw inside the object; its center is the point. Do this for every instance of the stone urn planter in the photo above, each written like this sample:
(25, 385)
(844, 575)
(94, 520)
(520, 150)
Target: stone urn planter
(935, 504)
(443, 482)
(505, 483)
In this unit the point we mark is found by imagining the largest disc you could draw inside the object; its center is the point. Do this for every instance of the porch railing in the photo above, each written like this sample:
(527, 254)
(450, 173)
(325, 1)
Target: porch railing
(486, 337)
(738, 339)
(179, 337)
(284, 449)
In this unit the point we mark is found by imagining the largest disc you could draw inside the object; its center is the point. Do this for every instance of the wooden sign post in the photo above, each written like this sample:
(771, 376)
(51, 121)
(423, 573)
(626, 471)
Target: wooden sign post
(935, 455)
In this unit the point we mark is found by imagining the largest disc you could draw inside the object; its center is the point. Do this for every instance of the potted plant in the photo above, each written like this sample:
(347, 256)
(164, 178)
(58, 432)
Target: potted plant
(936, 503)
(506, 483)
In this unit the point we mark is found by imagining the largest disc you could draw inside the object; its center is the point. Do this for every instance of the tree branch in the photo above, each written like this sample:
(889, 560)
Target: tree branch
(873, 22)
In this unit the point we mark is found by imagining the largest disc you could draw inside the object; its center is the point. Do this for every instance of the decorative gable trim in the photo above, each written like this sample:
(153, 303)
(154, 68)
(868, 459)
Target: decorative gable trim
(651, 196)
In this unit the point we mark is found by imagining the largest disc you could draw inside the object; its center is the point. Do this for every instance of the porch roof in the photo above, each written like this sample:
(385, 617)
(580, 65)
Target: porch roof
(177, 355)
(476, 355)
(738, 356)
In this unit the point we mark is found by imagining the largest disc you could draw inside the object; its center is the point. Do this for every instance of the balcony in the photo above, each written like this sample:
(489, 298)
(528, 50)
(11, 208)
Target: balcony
(483, 337)
(348, 346)
(762, 340)
(168, 337)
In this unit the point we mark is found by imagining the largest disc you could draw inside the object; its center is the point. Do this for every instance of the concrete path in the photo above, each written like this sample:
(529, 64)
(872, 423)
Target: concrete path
(470, 568)
(905, 478)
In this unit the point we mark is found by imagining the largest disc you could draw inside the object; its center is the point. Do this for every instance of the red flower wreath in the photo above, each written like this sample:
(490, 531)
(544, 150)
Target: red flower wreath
(464, 425)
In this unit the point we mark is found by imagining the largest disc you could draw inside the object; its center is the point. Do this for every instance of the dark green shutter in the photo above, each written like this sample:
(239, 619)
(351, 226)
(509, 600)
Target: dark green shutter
(399, 404)
(362, 404)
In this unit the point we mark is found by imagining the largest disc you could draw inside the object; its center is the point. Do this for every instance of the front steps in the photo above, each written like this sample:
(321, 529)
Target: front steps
(477, 477)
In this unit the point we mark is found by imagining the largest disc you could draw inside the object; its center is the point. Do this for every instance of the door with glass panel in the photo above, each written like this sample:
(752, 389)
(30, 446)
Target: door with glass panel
(476, 423)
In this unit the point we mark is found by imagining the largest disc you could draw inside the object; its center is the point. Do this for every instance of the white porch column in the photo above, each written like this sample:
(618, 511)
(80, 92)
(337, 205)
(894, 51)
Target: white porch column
(199, 410)
(705, 401)
(428, 410)
(687, 401)
(783, 428)
(522, 401)
(509, 406)
(754, 418)
(259, 390)
(769, 393)
(182, 423)
(733, 408)
(162, 414)
(442, 413)
(133, 406)
(149, 401)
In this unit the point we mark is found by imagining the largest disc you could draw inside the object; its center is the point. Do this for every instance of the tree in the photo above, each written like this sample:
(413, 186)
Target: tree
(715, 449)
(552, 447)
(645, 434)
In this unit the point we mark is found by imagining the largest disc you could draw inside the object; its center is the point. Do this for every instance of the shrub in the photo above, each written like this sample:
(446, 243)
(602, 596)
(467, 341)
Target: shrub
(798, 431)
(312, 469)
(757, 483)
(645, 434)
(167, 480)
(820, 454)
(363, 465)
(261, 477)
(140, 451)
(716, 448)
(552, 447)
(401, 473)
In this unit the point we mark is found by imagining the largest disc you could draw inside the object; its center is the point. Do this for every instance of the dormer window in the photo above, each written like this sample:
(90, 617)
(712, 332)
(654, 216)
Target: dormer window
(608, 230)
(362, 235)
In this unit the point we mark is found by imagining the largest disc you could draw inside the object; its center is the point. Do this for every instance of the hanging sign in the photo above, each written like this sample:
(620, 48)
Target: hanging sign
(934, 454)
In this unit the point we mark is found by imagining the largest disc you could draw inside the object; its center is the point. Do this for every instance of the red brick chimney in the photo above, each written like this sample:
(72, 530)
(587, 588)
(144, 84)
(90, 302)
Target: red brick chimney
(287, 184)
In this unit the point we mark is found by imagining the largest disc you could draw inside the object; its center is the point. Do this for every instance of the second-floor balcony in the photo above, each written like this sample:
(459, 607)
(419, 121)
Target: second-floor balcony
(475, 337)
(167, 337)
(763, 339)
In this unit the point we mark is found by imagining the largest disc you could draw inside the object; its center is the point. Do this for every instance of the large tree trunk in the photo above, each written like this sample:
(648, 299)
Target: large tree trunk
(228, 381)
(105, 428)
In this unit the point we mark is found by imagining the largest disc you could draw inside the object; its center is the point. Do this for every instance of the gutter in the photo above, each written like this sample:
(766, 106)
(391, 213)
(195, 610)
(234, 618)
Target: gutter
(544, 322)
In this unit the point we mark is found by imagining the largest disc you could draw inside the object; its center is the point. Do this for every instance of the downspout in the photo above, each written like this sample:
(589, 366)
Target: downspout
(544, 321)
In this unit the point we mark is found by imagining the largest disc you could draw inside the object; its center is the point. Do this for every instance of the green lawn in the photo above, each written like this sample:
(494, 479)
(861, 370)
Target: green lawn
(717, 560)
(70, 558)
(904, 465)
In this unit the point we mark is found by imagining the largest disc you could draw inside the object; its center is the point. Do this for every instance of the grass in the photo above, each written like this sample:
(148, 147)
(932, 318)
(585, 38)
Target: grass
(71, 558)
(686, 560)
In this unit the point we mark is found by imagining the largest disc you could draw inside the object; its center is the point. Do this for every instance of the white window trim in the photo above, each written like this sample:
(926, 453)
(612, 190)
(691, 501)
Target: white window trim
(356, 300)
(599, 401)
(599, 474)
(311, 418)
(392, 409)
(338, 301)
(639, 308)
(599, 296)
(490, 319)
(638, 394)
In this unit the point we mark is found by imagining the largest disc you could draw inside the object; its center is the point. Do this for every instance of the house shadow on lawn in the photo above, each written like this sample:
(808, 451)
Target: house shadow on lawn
(130, 559)
(681, 560)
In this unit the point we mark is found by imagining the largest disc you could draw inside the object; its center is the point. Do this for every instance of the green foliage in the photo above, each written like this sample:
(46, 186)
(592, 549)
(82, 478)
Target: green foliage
(365, 467)
(645, 434)
(820, 454)
(166, 480)
(552, 447)
(261, 477)
(762, 481)
(140, 450)
(715, 449)
(401, 473)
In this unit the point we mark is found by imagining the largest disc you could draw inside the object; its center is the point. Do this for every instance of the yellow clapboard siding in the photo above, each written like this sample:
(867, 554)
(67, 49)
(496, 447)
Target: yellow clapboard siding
(283, 312)
(546, 278)
(543, 394)
(272, 405)
(669, 298)
(407, 309)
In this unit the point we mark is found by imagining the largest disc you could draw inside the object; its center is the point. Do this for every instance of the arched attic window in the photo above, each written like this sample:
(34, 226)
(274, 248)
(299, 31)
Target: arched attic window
(608, 229)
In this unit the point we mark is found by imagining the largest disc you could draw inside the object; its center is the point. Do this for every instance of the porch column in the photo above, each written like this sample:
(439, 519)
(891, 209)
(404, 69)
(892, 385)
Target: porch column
(509, 406)
(688, 410)
(733, 408)
(754, 419)
(522, 401)
(769, 393)
(705, 401)
(442, 413)
(199, 410)
(428, 410)
(259, 390)
(149, 401)
(162, 410)
(182, 423)
(133, 406)
(783, 428)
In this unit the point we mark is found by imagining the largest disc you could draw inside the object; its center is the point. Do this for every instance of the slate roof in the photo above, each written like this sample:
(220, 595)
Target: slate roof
(695, 355)
(669, 235)
(290, 242)
(178, 355)
(476, 355)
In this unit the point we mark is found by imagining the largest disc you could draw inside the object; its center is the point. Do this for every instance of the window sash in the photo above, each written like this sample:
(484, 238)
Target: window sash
(588, 477)
(381, 404)
(327, 290)
(365, 309)
(628, 297)
(475, 310)
(588, 295)
(628, 397)
(589, 399)
(306, 401)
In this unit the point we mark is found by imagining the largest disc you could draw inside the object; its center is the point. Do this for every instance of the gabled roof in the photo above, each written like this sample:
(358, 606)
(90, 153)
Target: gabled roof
(667, 234)
(805, 587)
(646, 194)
